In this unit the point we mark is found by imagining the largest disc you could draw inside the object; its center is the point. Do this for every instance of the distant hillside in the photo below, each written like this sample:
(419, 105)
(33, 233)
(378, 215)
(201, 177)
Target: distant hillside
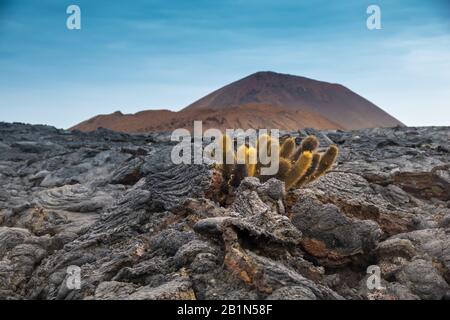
(332, 101)
(261, 100)
(258, 116)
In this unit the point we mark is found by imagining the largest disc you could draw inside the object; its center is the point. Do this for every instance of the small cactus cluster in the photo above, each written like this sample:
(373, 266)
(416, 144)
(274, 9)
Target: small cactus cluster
(297, 165)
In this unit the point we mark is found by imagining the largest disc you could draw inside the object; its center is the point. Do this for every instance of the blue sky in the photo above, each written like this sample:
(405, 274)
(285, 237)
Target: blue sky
(136, 55)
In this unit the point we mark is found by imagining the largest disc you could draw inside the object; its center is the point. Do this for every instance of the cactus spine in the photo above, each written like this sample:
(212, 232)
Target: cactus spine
(326, 161)
(228, 157)
(310, 143)
(298, 169)
(240, 168)
(252, 161)
(287, 148)
(308, 174)
(284, 169)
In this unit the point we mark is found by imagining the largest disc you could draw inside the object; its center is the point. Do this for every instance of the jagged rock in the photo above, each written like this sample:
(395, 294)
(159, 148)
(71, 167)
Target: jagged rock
(177, 289)
(275, 275)
(427, 185)
(114, 290)
(177, 239)
(400, 292)
(432, 243)
(388, 291)
(34, 146)
(260, 221)
(356, 198)
(250, 214)
(141, 227)
(128, 174)
(20, 253)
(76, 198)
(331, 236)
(292, 293)
(189, 252)
(393, 254)
(10, 238)
(423, 279)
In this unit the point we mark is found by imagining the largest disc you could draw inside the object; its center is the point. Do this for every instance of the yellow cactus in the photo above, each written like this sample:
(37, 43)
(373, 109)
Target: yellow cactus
(252, 161)
(312, 168)
(240, 168)
(299, 169)
(270, 144)
(242, 154)
(284, 168)
(263, 142)
(228, 156)
(296, 167)
(326, 161)
(310, 143)
(287, 148)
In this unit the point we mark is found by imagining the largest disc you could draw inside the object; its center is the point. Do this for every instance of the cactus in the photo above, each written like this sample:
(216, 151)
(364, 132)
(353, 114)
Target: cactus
(310, 143)
(284, 168)
(308, 174)
(297, 167)
(270, 145)
(263, 141)
(239, 170)
(326, 161)
(287, 148)
(242, 154)
(239, 173)
(226, 147)
(251, 166)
